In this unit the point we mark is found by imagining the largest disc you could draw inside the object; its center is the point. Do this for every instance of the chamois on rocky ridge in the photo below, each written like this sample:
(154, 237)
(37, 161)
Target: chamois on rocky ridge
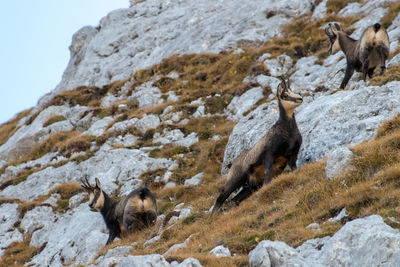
(269, 157)
(136, 211)
(363, 55)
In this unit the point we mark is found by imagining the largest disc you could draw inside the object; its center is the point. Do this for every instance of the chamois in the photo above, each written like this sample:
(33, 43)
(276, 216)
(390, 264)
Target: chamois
(269, 156)
(363, 55)
(136, 211)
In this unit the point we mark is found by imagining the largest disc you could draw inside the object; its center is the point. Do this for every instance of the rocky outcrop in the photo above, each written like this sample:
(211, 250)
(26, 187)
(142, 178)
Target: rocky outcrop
(141, 36)
(9, 215)
(362, 242)
(338, 162)
(110, 166)
(74, 238)
(27, 136)
(330, 121)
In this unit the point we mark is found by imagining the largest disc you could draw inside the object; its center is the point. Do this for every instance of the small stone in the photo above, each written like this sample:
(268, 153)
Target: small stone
(314, 227)
(195, 180)
(221, 251)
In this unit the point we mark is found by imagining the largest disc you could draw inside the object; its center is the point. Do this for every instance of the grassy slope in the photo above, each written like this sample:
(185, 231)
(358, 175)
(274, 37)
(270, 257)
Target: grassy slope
(279, 211)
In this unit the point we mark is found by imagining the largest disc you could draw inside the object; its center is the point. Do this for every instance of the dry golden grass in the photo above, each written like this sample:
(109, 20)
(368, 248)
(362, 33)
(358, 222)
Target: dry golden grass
(54, 119)
(64, 142)
(334, 6)
(66, 190)
(10, 127)
(391, 74)
(282, 209)
(86, 95)
(18, 253)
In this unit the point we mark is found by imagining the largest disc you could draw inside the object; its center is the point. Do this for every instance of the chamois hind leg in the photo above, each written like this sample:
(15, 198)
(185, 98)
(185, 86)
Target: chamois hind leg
(371, 72)
(384, 54)
(243, 194)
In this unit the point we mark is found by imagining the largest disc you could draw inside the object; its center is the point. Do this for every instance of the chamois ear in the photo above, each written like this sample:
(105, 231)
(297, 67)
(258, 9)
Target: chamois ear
(97, 184)
(337, 26)
(334, 29)
(329, 32)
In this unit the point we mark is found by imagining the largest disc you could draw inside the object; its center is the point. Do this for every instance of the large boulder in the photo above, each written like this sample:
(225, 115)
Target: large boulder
(75, 238)
(138, 37)
(112, 167)
(9, 215)
(362, 242)
(330, 121)
(27, 136)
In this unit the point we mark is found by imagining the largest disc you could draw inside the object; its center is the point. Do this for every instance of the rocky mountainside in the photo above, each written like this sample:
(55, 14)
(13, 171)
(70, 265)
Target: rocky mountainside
(165, 94)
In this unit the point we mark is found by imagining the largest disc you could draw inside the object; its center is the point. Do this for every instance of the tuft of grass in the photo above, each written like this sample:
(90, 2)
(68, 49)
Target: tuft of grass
(9, 128)
(389, 127)
(334, 6)
(54, 119)
(149, 177)
(392, 74)
(18, 253)
(217, 104)
(86, 95)
(258, 68)
(66, 190)
(207, 127)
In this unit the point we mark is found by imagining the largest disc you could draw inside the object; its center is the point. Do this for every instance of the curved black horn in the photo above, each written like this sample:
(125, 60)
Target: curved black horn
(85, 183)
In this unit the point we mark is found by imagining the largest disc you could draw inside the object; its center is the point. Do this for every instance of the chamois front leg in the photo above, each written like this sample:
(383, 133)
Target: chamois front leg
(292, 161)
(347, 76)
(111, 237)
(268, 162)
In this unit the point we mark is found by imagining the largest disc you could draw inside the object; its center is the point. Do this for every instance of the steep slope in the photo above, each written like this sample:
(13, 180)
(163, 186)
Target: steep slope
(174, 126)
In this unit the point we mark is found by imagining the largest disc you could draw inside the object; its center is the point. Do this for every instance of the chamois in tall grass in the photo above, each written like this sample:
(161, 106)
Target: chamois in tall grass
(363, 55)
(269, 157)
(136, 211)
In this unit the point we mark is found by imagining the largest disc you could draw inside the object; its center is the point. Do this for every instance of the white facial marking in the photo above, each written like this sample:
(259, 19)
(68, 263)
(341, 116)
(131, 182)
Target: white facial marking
(99, 202)
(91, 198)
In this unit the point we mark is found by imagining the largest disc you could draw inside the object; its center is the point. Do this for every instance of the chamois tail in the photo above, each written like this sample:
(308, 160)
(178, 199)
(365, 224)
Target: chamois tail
(144, 192)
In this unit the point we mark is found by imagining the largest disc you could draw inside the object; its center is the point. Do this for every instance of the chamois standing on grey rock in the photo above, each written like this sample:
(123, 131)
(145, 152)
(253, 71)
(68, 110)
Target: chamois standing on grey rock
(136, 211)
(269, 157)
(363, 55)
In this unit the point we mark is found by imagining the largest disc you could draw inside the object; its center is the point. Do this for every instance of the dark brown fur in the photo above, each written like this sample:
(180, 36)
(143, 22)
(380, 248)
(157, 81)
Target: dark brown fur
(364, 55)
(134, 212)
(269, 157)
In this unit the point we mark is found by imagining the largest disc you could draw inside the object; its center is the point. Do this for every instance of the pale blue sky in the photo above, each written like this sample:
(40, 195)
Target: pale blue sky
(35, 35)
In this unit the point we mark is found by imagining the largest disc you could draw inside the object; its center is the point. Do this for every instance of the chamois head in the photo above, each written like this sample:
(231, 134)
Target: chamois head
(288, 98)
(96, 195)
(332, 31)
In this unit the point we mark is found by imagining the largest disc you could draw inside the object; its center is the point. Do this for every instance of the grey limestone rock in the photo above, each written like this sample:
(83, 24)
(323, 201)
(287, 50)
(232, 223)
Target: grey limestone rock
(363, 242)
